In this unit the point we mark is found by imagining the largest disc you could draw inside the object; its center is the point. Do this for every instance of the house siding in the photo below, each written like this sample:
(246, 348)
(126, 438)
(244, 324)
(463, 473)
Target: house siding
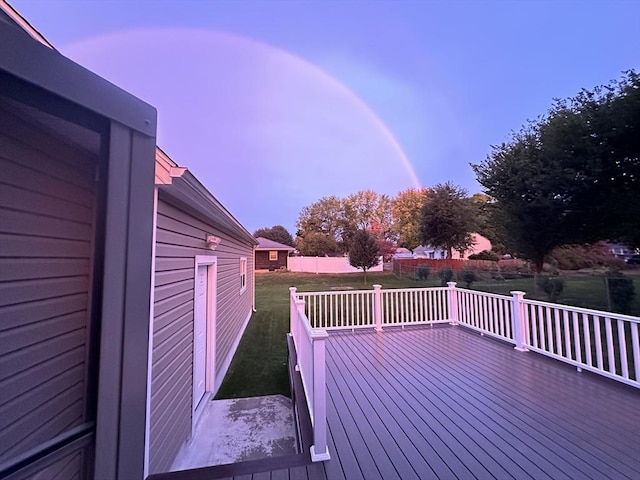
(47, 205)
(263, 262)
(179, 238)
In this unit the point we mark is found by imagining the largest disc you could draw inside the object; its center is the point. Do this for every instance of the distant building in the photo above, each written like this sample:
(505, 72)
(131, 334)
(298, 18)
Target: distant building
(272, 255)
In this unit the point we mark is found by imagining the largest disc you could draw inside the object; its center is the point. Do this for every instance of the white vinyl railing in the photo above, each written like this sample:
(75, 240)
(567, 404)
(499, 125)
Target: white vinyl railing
(414, 306)
(601, 342)
(351, 309)
(488, 313)
(339, 310)
(310, 354)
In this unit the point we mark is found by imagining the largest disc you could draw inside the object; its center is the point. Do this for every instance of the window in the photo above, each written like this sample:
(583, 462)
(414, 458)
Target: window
(243, 274)
(273, 255)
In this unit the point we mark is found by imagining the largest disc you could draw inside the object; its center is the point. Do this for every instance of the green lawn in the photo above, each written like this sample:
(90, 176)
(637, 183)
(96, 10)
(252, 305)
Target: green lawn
(259, 366)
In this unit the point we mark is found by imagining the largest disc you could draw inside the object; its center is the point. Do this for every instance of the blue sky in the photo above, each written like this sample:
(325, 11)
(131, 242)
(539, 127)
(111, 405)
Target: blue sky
(274, 104)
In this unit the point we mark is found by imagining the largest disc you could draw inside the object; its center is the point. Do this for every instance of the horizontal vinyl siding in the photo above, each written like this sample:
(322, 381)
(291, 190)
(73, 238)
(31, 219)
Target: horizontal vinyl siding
(47, 198)
(179, 238)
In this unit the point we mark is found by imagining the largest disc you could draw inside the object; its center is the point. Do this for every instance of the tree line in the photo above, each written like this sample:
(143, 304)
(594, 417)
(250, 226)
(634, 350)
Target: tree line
(572, 176)
(443, 216)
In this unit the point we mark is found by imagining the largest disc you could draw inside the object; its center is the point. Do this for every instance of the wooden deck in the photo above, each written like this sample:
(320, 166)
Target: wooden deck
(447, 403)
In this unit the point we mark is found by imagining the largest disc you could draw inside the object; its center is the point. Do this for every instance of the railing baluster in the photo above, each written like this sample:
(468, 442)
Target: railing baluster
(635, 345)
(586, 332)
(610, 353)
(567, 335)
(598, 338)
(622, 348)
(576, 336)
(556, 318)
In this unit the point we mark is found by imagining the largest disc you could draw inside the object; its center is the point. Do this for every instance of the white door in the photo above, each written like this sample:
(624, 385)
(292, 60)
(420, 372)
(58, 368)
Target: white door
(200, 335)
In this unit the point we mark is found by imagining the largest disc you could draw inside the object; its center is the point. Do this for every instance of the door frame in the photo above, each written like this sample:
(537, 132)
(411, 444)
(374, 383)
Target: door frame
(211, 262)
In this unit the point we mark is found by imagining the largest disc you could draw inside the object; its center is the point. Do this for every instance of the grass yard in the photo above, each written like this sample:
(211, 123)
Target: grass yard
(259, 366)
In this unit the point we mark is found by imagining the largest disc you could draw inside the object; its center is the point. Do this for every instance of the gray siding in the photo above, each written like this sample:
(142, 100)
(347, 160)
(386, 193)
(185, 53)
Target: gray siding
(179, 238)
(47, 198)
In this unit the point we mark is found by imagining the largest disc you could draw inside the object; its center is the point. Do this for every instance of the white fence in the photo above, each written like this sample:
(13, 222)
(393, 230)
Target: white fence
(325, 265)
(601, 342)
(310, 354)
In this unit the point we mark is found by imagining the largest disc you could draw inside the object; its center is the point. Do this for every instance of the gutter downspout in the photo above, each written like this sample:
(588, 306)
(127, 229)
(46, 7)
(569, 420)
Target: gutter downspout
(254, 277)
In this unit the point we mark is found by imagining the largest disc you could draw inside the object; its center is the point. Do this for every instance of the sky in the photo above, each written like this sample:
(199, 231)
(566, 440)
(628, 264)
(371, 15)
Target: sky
(275, 104)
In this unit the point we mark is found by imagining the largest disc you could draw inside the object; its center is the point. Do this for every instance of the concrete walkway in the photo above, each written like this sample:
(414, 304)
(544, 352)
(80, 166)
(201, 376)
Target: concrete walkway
(237, 430)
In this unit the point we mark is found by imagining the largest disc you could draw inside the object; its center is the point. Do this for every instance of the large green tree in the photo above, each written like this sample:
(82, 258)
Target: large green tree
(407, 215)
(448, 219)
(572, 176)
(324, 216)
(277, 233)
(316, 244)
(364, 253)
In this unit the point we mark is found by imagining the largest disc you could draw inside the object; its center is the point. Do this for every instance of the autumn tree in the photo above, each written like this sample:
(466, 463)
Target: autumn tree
(340, 218)
(277, 233)
(364, 252)
(407, 215)
(447, 219)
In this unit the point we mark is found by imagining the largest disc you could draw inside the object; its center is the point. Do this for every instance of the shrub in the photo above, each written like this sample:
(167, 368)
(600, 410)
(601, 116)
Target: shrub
(576, 257)
(446, 275)
(422, 273)
(552, 286)
(468, 277)
(621, 293)
(485, 255)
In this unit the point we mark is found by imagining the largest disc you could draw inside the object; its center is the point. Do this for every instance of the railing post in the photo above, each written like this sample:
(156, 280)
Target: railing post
(293, 312)
(453, 303)
(519, 321)
(377, 307)
(319, 449)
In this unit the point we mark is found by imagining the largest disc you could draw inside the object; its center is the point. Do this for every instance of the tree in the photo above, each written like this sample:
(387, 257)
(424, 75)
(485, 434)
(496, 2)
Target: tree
(316, 245)
(447, 219)
(341, 218)
(363, 252)
(324, 216)
(572, 176)
(407, 215)
(277, 233)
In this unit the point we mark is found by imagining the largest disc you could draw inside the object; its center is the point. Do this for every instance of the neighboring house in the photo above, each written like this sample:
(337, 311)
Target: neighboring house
(203, 297)
(272, 255)
(402, 252)
(480, 244)
(121, 303)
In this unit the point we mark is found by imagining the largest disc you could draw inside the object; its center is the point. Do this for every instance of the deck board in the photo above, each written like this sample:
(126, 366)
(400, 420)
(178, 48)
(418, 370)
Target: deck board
(448, 403)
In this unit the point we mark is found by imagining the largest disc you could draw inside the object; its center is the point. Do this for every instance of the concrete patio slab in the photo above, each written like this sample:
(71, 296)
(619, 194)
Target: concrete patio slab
(238, 430)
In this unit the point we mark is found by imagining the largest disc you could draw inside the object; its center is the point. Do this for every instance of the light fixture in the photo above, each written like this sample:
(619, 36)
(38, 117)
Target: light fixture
(212, 242)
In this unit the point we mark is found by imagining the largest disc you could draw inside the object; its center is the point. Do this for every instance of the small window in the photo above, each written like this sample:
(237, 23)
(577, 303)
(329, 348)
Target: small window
(243, 274)
(273, 255)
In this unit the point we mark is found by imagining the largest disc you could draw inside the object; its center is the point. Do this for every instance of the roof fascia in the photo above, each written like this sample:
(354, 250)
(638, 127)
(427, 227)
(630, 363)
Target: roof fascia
(192, 194)
(72, 82)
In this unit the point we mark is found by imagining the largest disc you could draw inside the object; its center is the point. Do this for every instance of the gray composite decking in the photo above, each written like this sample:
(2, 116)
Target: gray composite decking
(447, 403)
